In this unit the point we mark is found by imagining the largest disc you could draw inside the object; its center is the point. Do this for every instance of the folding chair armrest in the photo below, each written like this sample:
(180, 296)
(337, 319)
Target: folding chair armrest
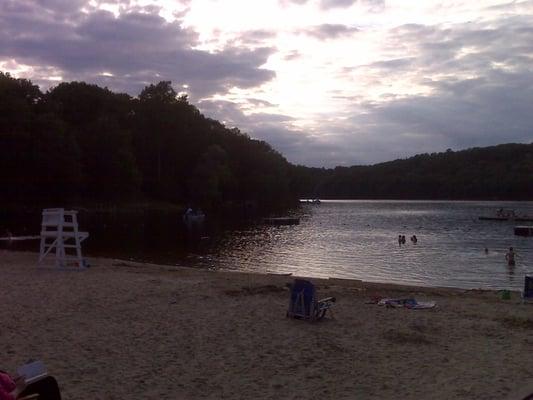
(328, 300)
(326, 303)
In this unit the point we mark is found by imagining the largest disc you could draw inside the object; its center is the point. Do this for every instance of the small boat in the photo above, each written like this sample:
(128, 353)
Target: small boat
(524, 218)
(507, 215)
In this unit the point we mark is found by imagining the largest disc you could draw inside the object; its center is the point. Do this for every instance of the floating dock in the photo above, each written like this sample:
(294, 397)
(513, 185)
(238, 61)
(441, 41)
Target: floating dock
(16, 238)
(282, 221)
(518, 219)
(523, 230)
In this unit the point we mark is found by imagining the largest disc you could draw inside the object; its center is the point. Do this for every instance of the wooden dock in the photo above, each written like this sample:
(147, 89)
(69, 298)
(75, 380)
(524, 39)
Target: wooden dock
(16, 238)
(517, 219)
(523, 230)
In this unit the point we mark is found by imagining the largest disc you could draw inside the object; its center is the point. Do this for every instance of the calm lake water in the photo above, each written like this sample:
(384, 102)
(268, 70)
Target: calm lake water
(345, 239)
(359, 239)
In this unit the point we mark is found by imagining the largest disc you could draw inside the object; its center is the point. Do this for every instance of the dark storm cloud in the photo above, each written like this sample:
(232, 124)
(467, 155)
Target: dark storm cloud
(329, 31)
(137, 47)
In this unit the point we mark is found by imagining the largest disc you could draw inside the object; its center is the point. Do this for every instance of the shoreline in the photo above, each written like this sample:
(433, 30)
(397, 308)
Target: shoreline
(122, 328)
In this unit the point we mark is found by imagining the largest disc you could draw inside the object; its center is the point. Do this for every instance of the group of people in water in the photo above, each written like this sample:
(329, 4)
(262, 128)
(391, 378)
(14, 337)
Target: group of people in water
(509, 256)
(401, 240)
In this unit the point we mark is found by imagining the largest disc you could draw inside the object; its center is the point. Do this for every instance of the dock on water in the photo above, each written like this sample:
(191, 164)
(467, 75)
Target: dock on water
(16, 238)
(523, 230)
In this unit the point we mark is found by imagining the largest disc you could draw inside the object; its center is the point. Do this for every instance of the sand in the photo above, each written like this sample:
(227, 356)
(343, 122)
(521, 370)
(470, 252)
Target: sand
(127, 330)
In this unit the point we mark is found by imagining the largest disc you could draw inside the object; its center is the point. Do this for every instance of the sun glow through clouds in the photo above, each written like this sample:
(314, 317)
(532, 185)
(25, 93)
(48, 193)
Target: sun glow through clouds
(350, 75)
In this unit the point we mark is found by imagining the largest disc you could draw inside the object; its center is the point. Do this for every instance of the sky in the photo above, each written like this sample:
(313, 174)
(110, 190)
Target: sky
(325, 82)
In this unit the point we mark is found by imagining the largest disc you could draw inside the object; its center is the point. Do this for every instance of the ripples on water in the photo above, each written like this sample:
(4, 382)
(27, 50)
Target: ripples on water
(359, 239)
(346, 239)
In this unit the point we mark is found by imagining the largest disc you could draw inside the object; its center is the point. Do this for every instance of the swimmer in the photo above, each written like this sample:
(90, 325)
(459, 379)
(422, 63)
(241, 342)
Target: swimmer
(510, 257)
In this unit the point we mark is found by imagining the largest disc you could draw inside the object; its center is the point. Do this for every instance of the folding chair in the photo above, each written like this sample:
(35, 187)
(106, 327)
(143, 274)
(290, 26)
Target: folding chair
(527, 293)
(303, 303)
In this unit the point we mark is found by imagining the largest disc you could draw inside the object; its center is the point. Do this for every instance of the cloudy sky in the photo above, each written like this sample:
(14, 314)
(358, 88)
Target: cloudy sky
(325, 82)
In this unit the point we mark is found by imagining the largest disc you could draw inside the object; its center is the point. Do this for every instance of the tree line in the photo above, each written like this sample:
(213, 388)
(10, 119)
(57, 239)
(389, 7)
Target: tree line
(82, 143)
(503, 172)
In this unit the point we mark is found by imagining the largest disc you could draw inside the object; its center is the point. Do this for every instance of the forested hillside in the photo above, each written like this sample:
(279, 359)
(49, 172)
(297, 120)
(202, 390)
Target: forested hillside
(84, 143)
(503, 172)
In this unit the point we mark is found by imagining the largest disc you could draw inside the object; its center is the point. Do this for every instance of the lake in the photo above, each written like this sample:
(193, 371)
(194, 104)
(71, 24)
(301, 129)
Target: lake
(359, 239)
(344, 239)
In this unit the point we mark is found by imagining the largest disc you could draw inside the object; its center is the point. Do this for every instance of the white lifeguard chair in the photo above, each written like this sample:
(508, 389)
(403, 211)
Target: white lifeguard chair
(59, 232)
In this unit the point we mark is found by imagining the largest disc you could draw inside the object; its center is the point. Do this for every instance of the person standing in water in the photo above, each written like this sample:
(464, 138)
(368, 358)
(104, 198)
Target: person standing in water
(509, 256)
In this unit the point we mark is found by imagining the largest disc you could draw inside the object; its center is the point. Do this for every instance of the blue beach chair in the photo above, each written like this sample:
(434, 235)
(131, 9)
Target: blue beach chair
(303, 302)
(527, 293)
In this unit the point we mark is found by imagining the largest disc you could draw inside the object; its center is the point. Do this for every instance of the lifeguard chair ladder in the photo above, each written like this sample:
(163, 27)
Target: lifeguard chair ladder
(59, 232)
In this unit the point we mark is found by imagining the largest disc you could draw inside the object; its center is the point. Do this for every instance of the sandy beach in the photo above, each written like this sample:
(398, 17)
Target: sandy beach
(127, 330)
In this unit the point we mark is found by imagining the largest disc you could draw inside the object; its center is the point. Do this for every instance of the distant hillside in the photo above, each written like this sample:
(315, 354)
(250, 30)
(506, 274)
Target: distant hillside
(503, 172)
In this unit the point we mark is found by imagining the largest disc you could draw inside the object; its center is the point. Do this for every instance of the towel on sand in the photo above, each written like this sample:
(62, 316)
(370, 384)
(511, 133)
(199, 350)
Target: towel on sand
(410, 303)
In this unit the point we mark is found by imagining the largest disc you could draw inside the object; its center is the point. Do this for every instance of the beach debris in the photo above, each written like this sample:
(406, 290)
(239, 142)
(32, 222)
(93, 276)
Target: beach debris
(408, 302)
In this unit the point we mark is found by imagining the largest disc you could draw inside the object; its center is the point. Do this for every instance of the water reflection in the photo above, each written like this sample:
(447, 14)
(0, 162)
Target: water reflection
(511, 273)
(346, 239)
(360, 240)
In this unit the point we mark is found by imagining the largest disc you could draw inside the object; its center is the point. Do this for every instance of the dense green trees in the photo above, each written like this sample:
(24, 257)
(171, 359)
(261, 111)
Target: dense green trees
(492, 173)
(84, 143)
